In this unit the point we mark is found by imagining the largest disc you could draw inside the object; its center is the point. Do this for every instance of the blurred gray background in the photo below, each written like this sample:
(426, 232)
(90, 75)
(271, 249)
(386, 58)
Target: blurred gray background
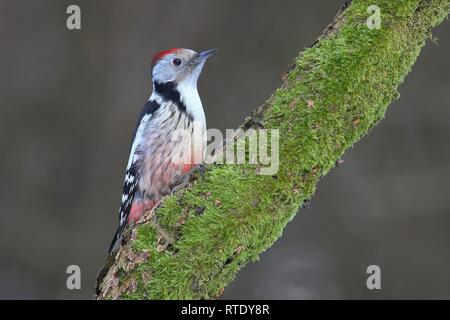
(68, 105)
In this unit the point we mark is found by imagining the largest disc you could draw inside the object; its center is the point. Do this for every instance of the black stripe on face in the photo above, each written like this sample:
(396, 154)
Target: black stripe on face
(169, 92)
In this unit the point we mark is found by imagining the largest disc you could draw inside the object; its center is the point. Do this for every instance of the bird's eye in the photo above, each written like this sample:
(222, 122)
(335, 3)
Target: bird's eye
(176, 61)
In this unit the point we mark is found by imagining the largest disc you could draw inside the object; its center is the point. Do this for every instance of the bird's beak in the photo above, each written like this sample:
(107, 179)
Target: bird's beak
(202, 56)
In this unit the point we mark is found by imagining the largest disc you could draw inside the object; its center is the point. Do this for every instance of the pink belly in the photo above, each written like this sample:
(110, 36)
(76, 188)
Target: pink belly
(138, 208)
(163, 179)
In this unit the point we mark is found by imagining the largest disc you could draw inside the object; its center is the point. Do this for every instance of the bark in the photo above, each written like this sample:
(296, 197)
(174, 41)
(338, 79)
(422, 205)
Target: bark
(193, 243)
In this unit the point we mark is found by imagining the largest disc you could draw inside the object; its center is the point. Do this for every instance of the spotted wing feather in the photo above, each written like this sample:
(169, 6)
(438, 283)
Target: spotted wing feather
(131, 180)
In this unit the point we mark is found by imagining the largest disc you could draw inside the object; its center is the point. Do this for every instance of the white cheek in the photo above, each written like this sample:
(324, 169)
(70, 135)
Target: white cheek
(163, 72)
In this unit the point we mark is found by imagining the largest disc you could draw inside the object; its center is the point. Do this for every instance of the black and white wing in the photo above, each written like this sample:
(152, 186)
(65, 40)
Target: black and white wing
(130, 184)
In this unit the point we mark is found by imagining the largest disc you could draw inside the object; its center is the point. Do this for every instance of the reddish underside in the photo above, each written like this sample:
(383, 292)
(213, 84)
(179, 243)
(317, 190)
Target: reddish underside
(139, 207)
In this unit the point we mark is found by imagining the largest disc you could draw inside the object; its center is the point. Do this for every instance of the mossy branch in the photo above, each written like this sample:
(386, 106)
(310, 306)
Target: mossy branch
(192, 245)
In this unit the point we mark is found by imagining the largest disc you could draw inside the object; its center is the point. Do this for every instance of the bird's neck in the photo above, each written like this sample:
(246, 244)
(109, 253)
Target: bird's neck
(184, 95)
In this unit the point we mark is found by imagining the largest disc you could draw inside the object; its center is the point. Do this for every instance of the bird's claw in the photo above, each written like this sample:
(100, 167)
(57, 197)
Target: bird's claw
(197, 171)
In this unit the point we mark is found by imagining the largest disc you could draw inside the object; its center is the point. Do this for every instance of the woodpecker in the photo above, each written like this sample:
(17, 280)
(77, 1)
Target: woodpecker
(170, 135)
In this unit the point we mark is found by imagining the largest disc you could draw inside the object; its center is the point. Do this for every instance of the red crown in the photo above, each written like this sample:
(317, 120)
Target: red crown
(162, 54)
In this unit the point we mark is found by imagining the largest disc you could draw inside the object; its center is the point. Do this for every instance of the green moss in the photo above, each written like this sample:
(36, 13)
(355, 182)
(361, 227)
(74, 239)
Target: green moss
(336, 93)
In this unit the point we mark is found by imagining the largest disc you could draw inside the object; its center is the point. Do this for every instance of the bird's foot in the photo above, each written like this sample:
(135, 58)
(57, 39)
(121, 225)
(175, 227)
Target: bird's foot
(196, 172)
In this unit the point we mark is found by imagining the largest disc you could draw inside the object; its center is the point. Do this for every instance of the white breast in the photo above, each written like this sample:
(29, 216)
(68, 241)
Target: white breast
(172, 141)
(191, 99)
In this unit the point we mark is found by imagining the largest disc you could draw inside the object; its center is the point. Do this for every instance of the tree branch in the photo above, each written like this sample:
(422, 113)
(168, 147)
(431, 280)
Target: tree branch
(193, 243)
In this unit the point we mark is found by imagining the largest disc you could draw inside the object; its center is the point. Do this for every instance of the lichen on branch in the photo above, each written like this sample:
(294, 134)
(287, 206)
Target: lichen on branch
(195, 241)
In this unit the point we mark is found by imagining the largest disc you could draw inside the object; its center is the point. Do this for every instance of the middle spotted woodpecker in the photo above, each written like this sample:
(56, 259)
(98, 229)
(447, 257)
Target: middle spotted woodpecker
(170, 135)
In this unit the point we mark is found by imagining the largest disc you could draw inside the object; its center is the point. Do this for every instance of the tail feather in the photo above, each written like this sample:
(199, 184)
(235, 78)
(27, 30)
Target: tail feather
(117, 240)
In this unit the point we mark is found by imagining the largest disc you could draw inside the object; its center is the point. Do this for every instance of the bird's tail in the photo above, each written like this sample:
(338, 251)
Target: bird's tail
(117, 240)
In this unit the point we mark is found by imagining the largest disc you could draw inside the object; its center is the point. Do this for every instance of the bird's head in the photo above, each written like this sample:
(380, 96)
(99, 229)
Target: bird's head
(178, 65)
